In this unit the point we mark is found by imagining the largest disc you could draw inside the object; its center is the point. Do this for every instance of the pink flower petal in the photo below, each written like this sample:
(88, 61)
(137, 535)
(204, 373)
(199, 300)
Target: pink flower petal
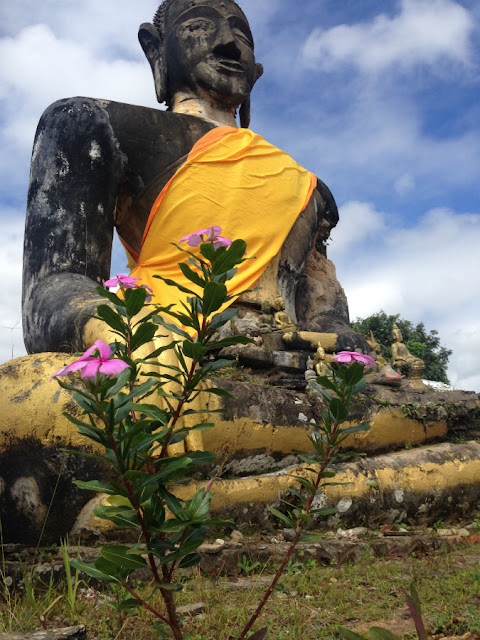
(103, 349)
(112, 367)
(91, 368)
(221, 242)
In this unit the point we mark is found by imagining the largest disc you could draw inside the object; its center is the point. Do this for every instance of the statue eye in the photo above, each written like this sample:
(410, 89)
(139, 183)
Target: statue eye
(241, 35)
(197, 27)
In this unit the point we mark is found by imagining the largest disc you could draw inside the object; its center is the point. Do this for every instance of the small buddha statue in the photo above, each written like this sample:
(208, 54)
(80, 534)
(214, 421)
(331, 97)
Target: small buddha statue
(281, 318)
(266, 319)
(406, 363)
(376, 351)
(319, 363)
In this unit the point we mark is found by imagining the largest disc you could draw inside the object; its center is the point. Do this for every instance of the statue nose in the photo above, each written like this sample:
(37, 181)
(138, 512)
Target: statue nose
(225, 43)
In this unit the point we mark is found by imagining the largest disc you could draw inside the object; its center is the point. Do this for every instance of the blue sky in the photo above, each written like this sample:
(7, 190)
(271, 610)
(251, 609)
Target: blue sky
(380, 98)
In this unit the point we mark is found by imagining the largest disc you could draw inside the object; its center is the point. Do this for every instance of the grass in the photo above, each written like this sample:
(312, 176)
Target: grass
(308, 605)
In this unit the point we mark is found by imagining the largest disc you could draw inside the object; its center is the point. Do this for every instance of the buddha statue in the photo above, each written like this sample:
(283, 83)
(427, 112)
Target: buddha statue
(281, 318)
(99, 165)
(376, 351)
(319, 363)
(406, 363)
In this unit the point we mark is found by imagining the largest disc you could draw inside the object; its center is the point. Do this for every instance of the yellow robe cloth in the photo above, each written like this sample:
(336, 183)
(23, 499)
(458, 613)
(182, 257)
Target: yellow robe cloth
(234, 179)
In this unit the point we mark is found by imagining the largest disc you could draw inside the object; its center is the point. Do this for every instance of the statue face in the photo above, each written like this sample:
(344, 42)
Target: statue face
(209, 50)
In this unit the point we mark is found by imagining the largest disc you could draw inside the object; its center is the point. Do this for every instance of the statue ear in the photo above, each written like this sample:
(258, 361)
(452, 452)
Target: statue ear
(258, 71)
(244, 112)
(152, 46)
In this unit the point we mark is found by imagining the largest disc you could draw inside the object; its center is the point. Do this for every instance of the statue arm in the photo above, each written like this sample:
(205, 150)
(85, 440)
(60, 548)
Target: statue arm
(320, 301)
(75, 171)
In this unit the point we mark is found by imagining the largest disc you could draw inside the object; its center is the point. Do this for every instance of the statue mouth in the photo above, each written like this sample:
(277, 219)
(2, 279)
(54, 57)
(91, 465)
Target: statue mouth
(229, 65)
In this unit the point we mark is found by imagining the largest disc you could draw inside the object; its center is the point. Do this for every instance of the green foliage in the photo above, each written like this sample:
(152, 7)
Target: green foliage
(134, 415)
(420, 343)
(338, 388)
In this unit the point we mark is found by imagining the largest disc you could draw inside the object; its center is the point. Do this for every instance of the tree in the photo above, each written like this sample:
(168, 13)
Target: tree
(420, 343)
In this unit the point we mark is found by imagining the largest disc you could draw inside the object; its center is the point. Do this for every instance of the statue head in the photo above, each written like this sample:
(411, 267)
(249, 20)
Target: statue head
(320, 352)
(373, 344)
(396, 333)
(205, 48)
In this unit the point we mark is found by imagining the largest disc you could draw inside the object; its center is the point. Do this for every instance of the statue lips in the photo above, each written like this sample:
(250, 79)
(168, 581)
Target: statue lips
(230, 66)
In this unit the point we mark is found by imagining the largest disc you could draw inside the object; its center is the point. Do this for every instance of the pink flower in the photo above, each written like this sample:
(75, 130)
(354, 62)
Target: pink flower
(148, 299)
(90, 364)
(128, 282)
(212, 235)
(208, 486)
(347, 357)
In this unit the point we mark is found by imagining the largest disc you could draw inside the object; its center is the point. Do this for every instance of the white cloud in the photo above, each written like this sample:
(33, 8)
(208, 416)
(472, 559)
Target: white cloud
(404, 184)
(428, 273)
(11, 246)
(360, 222)
(423, 32)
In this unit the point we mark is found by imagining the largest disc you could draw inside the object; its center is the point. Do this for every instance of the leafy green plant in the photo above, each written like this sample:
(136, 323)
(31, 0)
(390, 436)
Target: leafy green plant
(132, 411)
(338, 388)
(73, 581)
(246, 566)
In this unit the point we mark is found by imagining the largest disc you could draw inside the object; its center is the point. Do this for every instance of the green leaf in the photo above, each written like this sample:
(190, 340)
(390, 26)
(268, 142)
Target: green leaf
(230, 258)
(173, 503)
(97, 486)
(189, 560)
(349, 635)
(219, 319)
(135, 299)
(111, 317)
(119, 555)
(92, 571)
(413, 602)
(358, 427)
(338, 409)
(217, 391)
(282, 517)
(120, 383)
(152, 411)
(194, 350)
(121, 516)
(324, 511)
(143, 334)
(202, 457)
(191, 275)
(208, 251)
(114, 299)
(214, 296)
(306, 483)
(311, 537)
(171, 327)
(210, 367)
(92, 433)
(128, 604)
(172, 283)
(327, 383)
(354, 373)
(380, 633)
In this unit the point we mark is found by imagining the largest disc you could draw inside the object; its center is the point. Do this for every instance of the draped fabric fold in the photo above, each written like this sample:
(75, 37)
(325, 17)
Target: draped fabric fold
(234, 179)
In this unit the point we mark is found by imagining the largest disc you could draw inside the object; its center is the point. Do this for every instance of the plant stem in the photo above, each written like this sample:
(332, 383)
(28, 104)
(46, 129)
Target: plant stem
(327, 454)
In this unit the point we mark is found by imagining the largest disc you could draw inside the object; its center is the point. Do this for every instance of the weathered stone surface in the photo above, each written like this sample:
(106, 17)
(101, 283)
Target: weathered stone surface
(295, 361)
(78, 632)
(191, 609)
(249, 355)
